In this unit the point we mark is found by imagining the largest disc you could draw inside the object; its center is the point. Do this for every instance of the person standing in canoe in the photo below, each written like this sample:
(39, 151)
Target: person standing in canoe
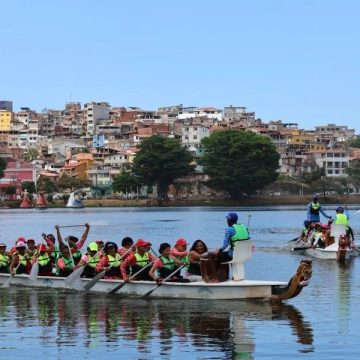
(314, 210)
(342, 217)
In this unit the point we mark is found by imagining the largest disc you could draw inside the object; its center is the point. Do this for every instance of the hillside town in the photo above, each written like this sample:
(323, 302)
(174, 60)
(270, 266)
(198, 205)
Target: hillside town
(96, 142)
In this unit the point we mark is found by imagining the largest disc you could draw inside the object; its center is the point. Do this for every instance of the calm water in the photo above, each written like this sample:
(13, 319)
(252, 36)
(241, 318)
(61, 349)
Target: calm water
(322, 323)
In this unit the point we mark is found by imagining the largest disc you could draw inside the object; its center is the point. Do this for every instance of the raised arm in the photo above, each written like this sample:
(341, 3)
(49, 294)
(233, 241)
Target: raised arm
(58, 235)
(84, 236)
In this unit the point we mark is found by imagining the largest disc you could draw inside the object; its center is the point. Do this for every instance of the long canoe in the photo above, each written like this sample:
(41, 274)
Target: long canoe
(231, 289)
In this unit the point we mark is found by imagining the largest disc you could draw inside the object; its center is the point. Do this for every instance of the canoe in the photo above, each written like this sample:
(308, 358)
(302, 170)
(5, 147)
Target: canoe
(227, 290)
(338, 250)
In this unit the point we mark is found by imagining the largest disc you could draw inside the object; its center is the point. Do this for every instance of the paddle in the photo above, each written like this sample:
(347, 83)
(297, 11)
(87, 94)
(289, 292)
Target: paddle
(100, 275)
(7, 282)
(167, 278)
(351, 216)
(34, 270)
(301, 248)
(118, 287)
(94, 223)
(294, 239)
(249, 218)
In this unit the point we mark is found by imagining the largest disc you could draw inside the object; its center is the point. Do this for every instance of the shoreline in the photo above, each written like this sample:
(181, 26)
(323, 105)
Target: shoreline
(251, 201)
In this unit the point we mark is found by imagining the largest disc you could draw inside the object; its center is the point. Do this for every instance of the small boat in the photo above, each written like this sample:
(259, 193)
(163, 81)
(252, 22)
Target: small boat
(26, 202)
(337, 250)
(41, 202)
(75, 201)
(236, 289)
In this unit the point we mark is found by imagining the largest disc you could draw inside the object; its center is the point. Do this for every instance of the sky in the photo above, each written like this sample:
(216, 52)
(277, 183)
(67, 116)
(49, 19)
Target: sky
(295, 61)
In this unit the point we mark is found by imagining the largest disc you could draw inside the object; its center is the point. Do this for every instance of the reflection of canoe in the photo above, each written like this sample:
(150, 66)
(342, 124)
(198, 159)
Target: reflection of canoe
(240, 289)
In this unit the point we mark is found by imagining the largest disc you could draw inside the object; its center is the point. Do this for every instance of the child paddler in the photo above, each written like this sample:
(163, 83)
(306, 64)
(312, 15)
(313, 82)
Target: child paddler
(74, 242)
(110, 262)
(5, 259)
(138, 261)
(19, 263)
(165, 265)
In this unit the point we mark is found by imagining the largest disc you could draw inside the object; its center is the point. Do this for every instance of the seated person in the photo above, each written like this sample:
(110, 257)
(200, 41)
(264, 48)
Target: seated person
(320, 238)
(197, 252)
(166, 265)
(138, 261)
(5, 259)
(90, 260)
(110, 262)
(20, 264)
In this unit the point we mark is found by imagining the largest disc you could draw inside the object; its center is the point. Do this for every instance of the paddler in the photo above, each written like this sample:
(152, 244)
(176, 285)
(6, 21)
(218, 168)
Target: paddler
(90, 260)
(138, 261)
(110, 262)
(64, 264)
(5, 259)
(165, 265)
(44, 259)
(19, 263)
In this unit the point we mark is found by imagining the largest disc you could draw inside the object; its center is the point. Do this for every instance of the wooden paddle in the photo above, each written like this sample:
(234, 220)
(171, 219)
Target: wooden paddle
(167, 278)
(100, 275)
(118, 287)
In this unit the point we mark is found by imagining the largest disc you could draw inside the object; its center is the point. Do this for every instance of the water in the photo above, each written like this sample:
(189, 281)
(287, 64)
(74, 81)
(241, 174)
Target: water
(322, 323)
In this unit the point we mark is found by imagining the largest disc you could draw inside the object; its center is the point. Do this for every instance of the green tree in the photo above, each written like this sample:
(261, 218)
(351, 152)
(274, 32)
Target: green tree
(10, 190)
(326, 185)
(31, 154)
(29, 186)
(354, 142)
(160, 161)
(47, 185)
(353, 171)
(125, 182)
(72, 183)
(2, 166)
(239, 162)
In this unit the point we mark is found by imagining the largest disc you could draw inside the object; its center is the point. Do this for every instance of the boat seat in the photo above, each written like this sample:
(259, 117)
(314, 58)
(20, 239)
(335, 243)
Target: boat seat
(242, 252)
(337, 230)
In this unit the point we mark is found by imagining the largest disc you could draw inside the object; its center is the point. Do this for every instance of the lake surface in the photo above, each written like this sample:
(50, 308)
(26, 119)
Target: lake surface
(322, 323)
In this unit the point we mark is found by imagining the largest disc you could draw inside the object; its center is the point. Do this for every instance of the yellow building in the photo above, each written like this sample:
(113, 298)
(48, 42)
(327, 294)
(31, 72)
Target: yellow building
(5, 120)
(78, 166)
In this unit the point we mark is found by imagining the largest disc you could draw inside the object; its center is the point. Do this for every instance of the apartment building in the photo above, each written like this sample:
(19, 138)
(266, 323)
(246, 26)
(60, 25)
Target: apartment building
(95, 112)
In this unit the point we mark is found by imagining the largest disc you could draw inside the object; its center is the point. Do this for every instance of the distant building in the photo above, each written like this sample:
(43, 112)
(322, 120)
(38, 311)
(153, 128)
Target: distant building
(6, 105)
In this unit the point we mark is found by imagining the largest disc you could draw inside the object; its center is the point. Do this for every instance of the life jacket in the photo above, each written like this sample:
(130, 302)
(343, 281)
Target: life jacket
(192, 268)
(89, 269)
(341, 219)
(241, 234)
(44, 262)
(168, 268)
(114, 262)
(30, 256)
(55, 254)
(314, 208)
(77, 256)
(68, 264)
(4, 263)
(142, 261)
(22, 265)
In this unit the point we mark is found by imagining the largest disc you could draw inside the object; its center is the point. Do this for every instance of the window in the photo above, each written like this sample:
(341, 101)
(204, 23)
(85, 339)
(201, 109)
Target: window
(195, 137)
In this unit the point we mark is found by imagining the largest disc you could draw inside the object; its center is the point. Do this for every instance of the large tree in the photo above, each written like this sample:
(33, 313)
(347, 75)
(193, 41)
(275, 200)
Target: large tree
(160, 161)
(239, 162)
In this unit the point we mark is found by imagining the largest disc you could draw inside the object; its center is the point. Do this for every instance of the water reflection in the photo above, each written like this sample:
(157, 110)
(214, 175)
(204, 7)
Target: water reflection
(95, 322)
